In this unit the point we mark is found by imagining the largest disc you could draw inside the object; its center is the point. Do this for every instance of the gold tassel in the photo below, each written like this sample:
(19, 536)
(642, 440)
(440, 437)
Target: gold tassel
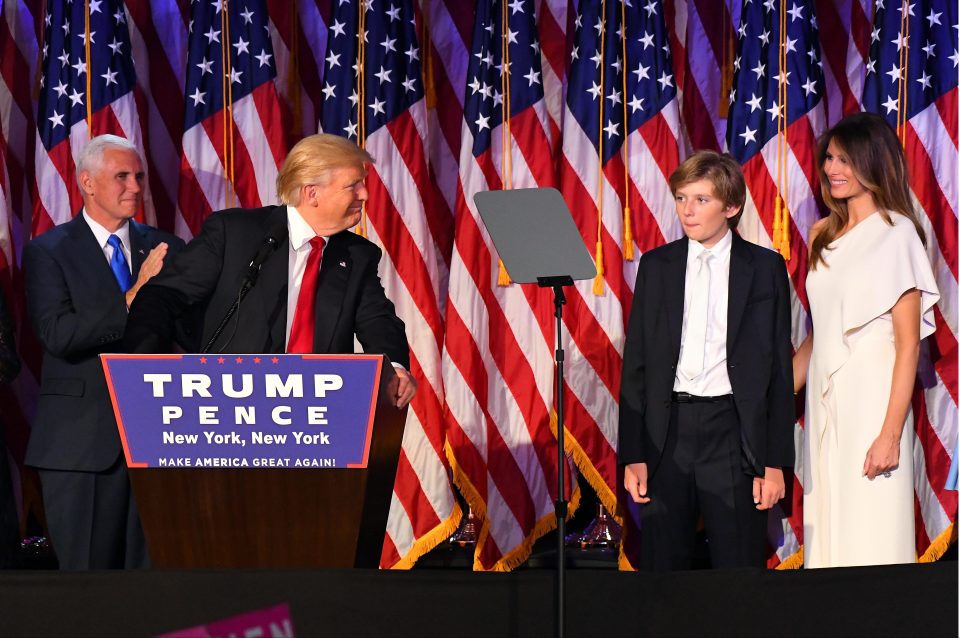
(503, 277)
(785, 240)
(598, 287)
(627, 235)
(777, 211)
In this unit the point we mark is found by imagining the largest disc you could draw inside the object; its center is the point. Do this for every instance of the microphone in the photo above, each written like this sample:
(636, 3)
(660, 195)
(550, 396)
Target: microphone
(271, 240)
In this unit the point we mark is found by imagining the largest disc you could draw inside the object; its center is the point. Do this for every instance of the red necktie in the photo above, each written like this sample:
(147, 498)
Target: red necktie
(301, 332)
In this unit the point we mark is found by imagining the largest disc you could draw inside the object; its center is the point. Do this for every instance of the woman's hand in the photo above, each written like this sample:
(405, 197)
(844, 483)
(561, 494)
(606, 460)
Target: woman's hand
(883, 456)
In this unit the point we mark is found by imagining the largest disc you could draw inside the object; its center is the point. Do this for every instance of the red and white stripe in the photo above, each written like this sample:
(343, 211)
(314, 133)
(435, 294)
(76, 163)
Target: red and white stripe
(498, 366)
(701, 39)
(158, 37)
(932, 158)
(423, 510)
(845, 44)
(299, 72)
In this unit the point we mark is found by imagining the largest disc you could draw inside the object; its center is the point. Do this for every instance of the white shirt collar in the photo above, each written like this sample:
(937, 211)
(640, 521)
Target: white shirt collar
(720, 250)
(300, 231)
(102, 234)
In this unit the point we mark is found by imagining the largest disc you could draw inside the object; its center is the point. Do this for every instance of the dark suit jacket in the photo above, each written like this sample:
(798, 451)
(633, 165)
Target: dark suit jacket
(210, 271)
(759, 357)
(78, 312)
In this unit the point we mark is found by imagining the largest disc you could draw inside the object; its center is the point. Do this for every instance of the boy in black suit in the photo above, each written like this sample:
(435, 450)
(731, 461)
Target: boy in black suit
(706, 400)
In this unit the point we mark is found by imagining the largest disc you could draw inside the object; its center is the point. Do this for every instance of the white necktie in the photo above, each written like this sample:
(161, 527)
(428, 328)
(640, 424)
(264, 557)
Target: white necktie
(695, 337)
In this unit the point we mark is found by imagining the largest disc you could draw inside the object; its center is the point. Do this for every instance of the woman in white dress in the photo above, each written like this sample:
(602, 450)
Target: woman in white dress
(871, 292)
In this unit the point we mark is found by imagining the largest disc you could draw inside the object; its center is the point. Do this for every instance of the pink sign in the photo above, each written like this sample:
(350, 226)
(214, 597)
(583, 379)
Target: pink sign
(272, 622)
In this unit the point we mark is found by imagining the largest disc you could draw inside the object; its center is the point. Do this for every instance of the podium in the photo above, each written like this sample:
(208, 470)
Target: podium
(274, 517)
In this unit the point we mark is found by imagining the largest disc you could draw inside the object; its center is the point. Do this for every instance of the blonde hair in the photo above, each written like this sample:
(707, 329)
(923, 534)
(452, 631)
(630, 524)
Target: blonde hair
(876, 157)
(720, 170)
(310, 160)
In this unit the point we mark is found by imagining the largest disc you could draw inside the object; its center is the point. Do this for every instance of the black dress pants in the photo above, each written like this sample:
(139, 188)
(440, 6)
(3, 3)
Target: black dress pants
(93, 519)
(701, 474)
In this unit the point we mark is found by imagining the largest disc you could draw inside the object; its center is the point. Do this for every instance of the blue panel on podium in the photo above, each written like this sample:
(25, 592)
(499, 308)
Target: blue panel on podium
(296, 411)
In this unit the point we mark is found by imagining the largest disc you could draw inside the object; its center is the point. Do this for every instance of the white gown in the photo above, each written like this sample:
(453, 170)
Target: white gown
(847, 518)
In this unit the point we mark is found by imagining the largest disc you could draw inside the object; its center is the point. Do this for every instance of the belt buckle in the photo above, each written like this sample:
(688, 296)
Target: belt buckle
(683, 397)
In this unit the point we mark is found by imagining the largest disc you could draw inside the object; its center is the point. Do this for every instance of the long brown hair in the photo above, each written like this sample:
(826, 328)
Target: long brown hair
(877, 160)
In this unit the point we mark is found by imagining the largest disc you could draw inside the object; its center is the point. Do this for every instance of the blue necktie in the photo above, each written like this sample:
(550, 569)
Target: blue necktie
(118, 264)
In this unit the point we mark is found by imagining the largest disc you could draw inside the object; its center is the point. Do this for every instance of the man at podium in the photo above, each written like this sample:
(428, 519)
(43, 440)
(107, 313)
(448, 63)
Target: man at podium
(314, 295)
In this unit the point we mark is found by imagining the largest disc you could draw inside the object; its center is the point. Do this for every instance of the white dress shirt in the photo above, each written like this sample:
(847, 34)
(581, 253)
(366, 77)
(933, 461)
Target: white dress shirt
(102, 235)
(300, 235)
(713, 380)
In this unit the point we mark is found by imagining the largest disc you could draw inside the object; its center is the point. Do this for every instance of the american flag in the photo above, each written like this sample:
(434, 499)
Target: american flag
(621, 115)
(845, 41)
(18, 50)
(184, 158)
(775, 117)
(86, 89)
(703, 45)
(373, 93)
(498, 363)
(234, 139)
(911, 79)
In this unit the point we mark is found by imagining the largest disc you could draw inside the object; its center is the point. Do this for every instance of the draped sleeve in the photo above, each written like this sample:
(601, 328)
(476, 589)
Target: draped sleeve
(891, 261)
(865, 272)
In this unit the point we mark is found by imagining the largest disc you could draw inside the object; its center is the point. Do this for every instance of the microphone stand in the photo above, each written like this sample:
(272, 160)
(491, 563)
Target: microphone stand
(270, 244)
(244, 289)
(560, 505)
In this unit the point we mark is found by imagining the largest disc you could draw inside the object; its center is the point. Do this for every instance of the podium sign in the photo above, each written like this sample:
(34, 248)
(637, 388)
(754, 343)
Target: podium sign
(244, 411)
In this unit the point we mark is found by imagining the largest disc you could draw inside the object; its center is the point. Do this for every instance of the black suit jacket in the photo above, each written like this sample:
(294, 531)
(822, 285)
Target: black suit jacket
(759, 355)
(78, 311)
(210, 271)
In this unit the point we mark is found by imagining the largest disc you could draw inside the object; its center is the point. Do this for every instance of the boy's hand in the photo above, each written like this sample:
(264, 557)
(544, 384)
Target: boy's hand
(635, 482)
(769, 489)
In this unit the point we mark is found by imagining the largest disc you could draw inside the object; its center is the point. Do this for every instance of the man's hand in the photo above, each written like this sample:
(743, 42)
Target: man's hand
(150, 267)
(769, 489)
(406, 388)
(635, 482)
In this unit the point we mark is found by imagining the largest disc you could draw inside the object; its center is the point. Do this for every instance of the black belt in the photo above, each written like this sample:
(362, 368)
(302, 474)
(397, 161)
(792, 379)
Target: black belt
(686, 397)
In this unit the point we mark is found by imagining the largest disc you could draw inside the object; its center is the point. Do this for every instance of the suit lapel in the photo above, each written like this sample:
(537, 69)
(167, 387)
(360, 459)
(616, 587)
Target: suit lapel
(89, 253)
(741, 275)
(335, 270)
(676, 276)
(139, 247)
(272, 284)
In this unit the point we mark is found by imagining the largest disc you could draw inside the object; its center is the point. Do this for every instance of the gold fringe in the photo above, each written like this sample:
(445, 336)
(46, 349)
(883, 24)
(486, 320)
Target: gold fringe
(794, 561)
(431, 539)
(462, 481)
(598, 287)
(627, 234)
(607, 498)
(623, 563)
(572, 447)
(934, 552)
(503, 277)
(939, 546)
(519, 554)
